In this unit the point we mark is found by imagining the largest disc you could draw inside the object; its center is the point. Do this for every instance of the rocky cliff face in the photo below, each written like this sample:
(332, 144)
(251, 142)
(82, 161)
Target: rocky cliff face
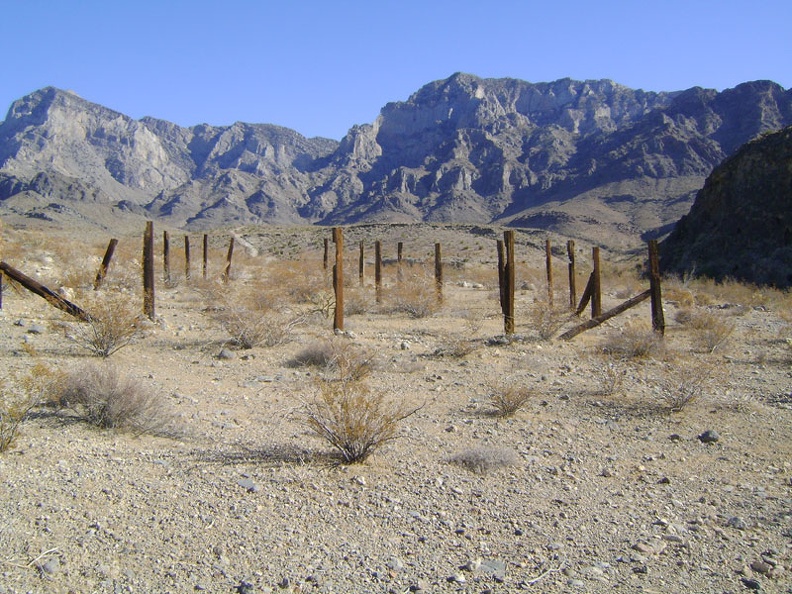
(740, 225)
(586, 159)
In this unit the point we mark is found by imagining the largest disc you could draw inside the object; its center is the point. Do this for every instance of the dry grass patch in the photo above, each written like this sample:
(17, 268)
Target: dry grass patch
(510, 399)
(634, 341)
(482, 459)
(337, 356)
(684, 383)
(708, 330)
(115, 322)
(415, 296)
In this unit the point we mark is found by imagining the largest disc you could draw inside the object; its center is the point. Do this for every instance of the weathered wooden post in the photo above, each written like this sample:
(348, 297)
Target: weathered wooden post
(399, 271)
(438, 272)
(596, 286)
(1, 289)
(187, 257)
(338, 279)
(378, 270)
(51, 296)
(227, 269)
(502, 275)
(326, 252)
(205, 269)
(361, 264)
(572, 283)
(549, 268)
(102, 272)
(508, 275)
(658, 319)
(166, 257)
(148, 271)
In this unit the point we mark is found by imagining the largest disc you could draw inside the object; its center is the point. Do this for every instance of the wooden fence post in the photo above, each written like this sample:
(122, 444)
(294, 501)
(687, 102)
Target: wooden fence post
(100, 275)
(1, 289)
(338, 279)
(399, 271)
(227, 269)
(361, 265)
(438, 272)
(187, 257)
(326, 252)
(549, 268)
(205, 268)
(148, 271)
(596, 286)
(502, 275)
(508, 275)
(572, 283)
(166, 257)
(52, 297)
(378, 270)
(658, 319)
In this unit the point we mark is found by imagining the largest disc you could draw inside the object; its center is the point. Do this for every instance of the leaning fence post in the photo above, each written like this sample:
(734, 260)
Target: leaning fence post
(338, 279)
(378, 270)
(52, 297)
(572, 285)
(438, 272)
(166, 256)
(100, 275)
(148, 271)
(658, 319)
(205, 255)
(187, 257)
(596, 287)
(508, 276)
(549, 267)
(227, 269)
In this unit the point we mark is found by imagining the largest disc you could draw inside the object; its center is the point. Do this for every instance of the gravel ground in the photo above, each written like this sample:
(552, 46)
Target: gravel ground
(581, 491)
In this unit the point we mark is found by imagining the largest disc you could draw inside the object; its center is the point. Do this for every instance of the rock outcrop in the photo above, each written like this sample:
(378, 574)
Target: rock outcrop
(740, 225)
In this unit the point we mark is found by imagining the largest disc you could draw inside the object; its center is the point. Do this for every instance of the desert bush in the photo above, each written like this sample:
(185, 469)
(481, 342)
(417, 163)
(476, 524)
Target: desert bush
(106, 399)
(545, 318)
(683, 384)
(354, 420)
(609, 375)
(337, 356)
(485, 459)
(635, 341)
(510, 399)
(18, 397)
(114, 323)
(415, 296)
(708, 330)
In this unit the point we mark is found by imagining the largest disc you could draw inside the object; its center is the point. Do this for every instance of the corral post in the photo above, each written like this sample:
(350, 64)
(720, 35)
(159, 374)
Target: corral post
(187, 257)
(438, 272)
(572, 284)
(227, 269)
(326, 252)
(378, 270)
(399, 271)
(502, 276)
(100, 275)
(166, 256)
(148, 271)
(596, 287)
(1, 289)
(658, 319)
(338, 279)
(36, 287)
(508, 275)
(205, 255)
(549, 267)
(361, 264)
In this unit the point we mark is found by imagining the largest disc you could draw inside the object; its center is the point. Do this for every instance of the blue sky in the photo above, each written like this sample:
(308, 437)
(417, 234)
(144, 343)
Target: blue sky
(322, 66)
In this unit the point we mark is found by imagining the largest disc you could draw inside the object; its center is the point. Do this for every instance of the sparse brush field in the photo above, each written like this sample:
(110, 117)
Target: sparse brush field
(209, 450)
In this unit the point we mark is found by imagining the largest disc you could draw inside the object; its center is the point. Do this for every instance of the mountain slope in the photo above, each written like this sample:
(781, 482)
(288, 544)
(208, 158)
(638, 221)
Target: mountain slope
(589, 159)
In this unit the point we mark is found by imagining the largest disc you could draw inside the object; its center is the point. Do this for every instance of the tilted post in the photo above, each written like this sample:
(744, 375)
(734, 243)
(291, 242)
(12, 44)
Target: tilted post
(572, 283)
(51, 296)
(102, 273)
(205, 267)
(227, 269)
(596, 287)
(361, 264)
(509, 277)
(187, 257)
(166, 256)
(658, 318)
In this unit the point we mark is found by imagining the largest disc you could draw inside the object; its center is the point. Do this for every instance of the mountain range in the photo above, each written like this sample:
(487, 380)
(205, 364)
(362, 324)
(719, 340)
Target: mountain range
(593, 160)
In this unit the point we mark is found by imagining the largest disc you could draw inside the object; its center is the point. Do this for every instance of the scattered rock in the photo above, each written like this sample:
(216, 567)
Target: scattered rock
(709, 436)
(226, 354)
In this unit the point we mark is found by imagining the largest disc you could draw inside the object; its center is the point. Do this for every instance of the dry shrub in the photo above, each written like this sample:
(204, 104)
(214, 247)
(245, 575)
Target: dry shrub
(297, 281)
(108, 400)
(415, 296)
(635, 341)
(545, 318)
(336, 356)
(485, 459)
(609, 375)
(708, 329)
(354, 420)
(17, 399)
(509, 400)
(682, 384)
(115, 321)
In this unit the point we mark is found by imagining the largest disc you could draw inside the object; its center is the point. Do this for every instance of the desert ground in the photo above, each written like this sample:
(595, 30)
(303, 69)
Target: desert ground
(634, 464)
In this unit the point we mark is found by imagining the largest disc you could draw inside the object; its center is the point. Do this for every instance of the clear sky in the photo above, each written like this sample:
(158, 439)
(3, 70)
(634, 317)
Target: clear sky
(322, 66)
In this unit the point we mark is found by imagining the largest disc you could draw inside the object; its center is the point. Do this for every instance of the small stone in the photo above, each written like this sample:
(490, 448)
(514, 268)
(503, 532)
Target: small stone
(675, 437)
(738, 523)
(395, 564)
(51, 566)
(709, 436)
(751, 584)
(761, 567)
(248, 485)
(36, 329)
(226, 354)
(457, 578)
